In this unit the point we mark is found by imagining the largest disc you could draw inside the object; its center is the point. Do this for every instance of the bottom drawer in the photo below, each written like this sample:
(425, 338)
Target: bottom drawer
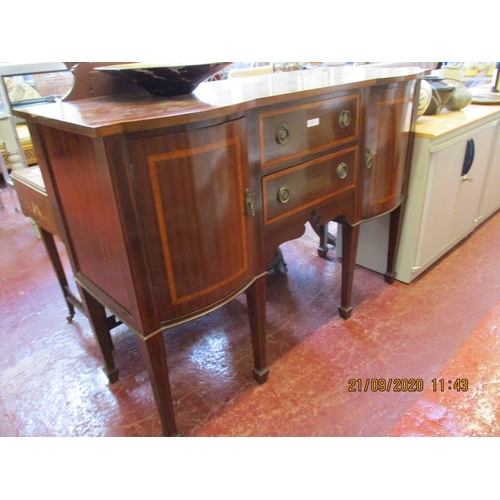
(303, 186)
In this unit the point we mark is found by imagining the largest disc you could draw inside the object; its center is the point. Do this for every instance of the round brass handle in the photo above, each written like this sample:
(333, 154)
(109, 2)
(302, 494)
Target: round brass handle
(342, 171)
(344, 119)
(282, 134)
(368, 158)
(283, 194)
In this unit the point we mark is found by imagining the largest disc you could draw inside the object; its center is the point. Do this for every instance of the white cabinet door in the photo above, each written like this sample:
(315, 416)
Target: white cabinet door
(452, 201)
(472, 183)
(445, 167)
(490, 201)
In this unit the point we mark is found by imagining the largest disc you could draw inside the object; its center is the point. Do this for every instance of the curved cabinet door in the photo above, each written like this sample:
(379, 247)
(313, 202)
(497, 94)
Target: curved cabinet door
(386, 147)
(190, 195)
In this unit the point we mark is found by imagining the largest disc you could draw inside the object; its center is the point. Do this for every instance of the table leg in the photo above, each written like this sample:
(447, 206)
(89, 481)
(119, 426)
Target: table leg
(325, 237)
(256, 300)
(323, 240)
(50, 246)
(154, 355)
(98, 321)
(350, 237)
(394, 229)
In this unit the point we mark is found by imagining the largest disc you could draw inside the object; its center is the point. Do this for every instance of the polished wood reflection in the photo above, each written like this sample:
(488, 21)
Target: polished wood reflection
(309, 127)
(308, 183)
(169, 207)
(387, 138)
(190, 198)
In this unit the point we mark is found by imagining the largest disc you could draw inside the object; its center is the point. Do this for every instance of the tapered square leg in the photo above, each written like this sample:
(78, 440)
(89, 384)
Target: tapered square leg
(394, 230)
(155, 358)
(323, 240)
(350, 237)
(55, 260)
(97, 317)
(256, 300)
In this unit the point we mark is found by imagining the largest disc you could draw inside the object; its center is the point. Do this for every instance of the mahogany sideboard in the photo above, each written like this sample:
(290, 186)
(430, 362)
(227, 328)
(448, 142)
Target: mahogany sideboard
(171, 207)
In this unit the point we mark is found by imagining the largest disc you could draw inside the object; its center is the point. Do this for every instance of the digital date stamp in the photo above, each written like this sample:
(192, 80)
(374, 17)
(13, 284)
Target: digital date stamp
(405, 385)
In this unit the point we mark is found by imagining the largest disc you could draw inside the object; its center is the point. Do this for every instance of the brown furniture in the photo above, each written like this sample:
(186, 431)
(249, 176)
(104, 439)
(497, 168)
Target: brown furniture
(34, 203)
(171, 207)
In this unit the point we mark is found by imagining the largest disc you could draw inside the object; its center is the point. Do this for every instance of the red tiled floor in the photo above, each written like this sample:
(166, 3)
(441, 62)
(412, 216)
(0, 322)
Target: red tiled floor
(444, 325)
(474, 409)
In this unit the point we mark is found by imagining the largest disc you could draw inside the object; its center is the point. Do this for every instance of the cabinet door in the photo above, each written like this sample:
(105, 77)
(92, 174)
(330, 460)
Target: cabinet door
(491, 195)
(471, 184)
(452, 199)
(190, 194)
(388, 128)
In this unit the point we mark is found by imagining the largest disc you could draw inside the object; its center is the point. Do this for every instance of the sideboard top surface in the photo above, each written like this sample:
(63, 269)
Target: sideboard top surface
(109, 115)
(435, 126)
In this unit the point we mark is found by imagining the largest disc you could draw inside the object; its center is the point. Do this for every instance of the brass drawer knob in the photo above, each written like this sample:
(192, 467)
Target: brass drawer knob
(345, 119)
(342, 171)
(282, 134)
(283, 194)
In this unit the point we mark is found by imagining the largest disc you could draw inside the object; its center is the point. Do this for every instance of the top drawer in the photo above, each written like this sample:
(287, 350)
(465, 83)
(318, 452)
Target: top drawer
(33, 197)
(292, 132)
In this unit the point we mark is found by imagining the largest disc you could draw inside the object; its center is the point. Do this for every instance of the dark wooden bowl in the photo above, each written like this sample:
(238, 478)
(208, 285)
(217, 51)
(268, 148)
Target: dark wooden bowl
(165, 79)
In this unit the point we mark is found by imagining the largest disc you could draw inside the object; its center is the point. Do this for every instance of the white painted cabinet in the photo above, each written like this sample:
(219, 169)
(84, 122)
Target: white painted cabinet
(490, 201)
(452, 197)
(445, 202)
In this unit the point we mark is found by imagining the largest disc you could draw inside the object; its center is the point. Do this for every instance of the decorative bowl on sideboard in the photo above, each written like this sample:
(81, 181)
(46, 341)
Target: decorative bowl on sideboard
(165, 79)
(441, 94)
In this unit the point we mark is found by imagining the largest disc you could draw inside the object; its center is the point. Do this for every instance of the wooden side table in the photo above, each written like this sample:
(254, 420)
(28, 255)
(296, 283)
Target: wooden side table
(33, 199)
